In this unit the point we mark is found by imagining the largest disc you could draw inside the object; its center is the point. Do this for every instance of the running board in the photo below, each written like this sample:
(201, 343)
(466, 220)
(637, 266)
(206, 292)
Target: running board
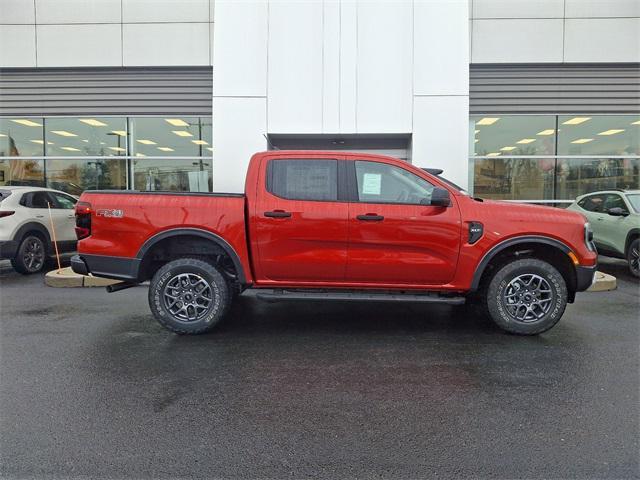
(276, 295)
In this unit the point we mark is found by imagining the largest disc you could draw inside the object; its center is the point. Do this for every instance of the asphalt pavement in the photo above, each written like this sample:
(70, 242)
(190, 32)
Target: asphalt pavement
(92, 387)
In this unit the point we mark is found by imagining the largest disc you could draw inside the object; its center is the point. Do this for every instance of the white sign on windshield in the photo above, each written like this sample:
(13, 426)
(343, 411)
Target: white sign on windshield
(371, 183)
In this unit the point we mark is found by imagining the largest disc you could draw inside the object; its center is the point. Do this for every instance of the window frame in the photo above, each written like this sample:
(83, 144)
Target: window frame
(341, 178)
(353, 184)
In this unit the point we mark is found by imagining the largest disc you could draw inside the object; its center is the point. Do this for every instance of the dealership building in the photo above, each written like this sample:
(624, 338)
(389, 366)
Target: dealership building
(530, 100)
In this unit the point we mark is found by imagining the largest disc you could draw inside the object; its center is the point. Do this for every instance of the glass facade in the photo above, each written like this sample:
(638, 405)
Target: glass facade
(87, 153)
(553, 158)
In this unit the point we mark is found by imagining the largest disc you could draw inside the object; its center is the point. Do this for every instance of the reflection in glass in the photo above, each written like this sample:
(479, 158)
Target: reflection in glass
(513, 135)
(172, 175)
(514, 178)
(21, 137)
(577, 176)
(168, 137)
(75, 176)
(91, 136)
(22, 172)
(598, 135)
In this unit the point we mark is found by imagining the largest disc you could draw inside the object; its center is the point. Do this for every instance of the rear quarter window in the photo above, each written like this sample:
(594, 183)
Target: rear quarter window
(4, 194)
(314, 180)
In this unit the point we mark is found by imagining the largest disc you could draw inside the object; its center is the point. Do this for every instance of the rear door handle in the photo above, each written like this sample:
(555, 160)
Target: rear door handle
(277, 214)
(370, 217)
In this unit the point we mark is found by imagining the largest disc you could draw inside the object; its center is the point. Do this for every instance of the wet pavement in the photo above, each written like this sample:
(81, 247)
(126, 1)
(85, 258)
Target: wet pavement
(91, 386)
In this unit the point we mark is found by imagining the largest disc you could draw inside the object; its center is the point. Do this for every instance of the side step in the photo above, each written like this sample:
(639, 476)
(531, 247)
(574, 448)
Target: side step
(276, 295)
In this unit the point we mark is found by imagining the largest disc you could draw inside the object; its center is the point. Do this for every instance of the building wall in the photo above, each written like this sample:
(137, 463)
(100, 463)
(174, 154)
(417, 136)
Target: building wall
(551, 31)
(83, 33)
(349, 67)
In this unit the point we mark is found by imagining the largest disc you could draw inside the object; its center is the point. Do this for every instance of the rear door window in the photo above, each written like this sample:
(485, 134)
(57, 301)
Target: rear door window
(300, 179)
(593, 203)
(37, 200)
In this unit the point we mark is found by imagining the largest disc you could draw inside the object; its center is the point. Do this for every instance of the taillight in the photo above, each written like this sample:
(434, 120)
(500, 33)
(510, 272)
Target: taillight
(83, 220)
(6, 213)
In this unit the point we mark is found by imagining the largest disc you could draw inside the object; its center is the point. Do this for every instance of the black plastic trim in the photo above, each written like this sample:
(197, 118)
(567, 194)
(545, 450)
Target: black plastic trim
(8, 249)
(509, 243)
(176, 232)
(584, 277)
(162, 192)
(120, 268)
(276, 295)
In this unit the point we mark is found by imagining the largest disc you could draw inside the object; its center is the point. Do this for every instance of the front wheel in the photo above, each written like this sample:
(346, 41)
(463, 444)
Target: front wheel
(633, 257)
(526, 297)
(189, 296)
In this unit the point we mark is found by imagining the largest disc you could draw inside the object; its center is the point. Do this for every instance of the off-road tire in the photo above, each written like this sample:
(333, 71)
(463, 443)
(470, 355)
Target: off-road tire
(220, 295)
(496, 290)
(21, 264)
(632, 258)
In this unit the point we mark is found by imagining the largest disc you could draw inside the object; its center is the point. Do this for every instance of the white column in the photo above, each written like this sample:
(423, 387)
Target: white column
(441, 87)
(239, 89)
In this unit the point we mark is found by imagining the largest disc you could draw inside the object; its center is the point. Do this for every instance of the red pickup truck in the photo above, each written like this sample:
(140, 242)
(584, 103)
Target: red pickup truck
(341, 226)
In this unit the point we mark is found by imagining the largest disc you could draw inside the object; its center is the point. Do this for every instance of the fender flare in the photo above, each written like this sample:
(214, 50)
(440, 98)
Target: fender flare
(33, 226)
(178, 232)
(496, 249)
(634, 232)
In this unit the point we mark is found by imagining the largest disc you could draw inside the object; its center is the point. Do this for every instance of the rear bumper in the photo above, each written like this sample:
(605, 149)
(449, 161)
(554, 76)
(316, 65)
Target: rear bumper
(8, 249)
(119, 268)
(585, 277)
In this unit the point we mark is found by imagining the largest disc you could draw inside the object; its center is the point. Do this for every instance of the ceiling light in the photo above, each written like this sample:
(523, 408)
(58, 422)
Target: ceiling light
(583, 140)
(40, 142)
(102, 143)
(182, 133)
(488, 121)
(210, 149)
(165, 149)
(147, 142)
(477, 131)
(199, 142)
(476, 141)
(85, 140)
(546, 132)
(27, 123)
(2, 135)
(117, 149)
(93, 122)
(508, 149)
(50, 143)
(64, 133)
(70, 149)
(636, 123)
(176, 122)
(612, 131)
(526, 140)
(493, 154)
(122, 133)
(140, 155)
(576, 121)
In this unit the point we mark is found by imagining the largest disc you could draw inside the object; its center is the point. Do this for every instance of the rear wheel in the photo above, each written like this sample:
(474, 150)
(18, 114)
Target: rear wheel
(31, 255)
(189, 296)
(526, 297)
(633, 257)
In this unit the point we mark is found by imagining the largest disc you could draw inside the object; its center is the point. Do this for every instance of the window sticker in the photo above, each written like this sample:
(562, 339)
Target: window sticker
(371, 183)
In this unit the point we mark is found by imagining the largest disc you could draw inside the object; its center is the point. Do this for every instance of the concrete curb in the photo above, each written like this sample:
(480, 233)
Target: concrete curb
(604, 283)
(66, 278)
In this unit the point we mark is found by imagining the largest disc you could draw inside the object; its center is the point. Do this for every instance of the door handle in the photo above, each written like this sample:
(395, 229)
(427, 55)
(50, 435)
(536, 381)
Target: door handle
(370, 217)
(277, 214)
(39, 216)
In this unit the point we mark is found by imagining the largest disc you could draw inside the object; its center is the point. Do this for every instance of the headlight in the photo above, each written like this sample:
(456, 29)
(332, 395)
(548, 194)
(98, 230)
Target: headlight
(588, 237)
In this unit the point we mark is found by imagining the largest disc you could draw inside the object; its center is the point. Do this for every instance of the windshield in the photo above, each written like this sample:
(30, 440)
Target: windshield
(634, 200)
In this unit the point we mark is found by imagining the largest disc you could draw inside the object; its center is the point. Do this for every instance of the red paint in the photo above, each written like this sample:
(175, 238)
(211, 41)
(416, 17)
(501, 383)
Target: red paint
(322, 244)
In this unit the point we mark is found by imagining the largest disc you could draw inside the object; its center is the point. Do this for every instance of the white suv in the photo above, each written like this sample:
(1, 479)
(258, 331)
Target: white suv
(25, 227)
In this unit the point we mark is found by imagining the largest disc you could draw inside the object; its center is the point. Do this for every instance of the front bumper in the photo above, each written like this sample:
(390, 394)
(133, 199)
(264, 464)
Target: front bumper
(585, 276)
(8, 249)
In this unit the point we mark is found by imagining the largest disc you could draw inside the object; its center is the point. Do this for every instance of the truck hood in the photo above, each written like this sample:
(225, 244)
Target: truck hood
(523, 212)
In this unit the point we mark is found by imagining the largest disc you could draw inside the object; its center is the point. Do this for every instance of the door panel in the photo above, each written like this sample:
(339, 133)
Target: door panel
(302, 238)
(399, 243)
(63, 215)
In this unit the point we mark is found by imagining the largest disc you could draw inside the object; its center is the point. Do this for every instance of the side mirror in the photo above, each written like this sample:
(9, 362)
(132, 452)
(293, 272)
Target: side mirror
(440, 197)
(617, 212)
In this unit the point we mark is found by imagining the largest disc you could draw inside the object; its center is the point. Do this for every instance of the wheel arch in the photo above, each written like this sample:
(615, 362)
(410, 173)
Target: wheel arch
(535, 240)
(194, 232)
(28, 227)
(631, 236)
